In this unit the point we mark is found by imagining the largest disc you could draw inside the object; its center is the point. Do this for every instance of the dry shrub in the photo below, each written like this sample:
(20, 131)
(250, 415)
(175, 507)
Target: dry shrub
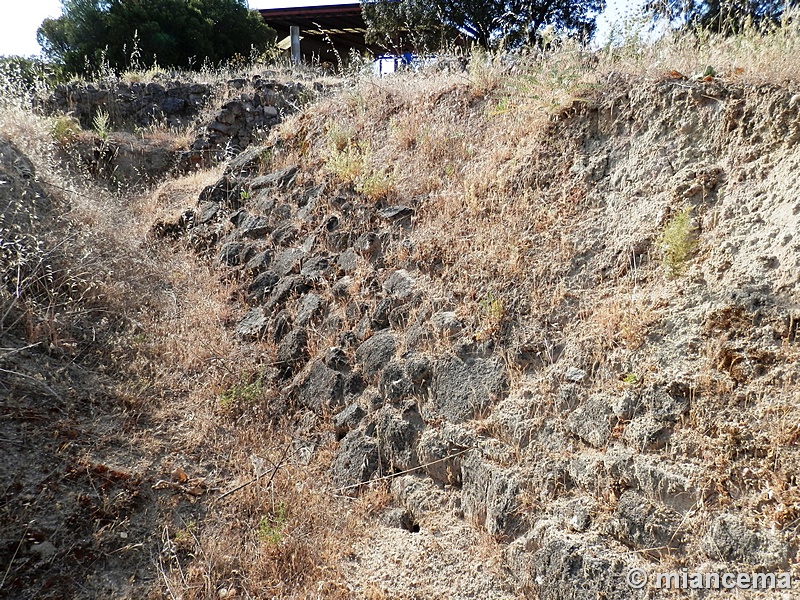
(276, 539)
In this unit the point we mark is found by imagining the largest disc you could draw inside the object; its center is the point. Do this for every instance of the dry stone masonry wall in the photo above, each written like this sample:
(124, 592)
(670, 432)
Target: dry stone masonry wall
(249, 108)
(173, 103)
(581, 484)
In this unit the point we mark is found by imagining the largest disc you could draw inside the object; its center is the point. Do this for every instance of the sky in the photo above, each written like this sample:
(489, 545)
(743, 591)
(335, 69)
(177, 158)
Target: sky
(19, 20)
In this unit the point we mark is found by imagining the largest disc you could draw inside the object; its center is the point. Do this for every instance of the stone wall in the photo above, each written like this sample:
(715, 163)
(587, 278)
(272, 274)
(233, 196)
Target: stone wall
(131, 105)
(248, 106)
(259, 105)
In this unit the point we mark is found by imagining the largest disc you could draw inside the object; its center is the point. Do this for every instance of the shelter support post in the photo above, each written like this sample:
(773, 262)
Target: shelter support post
(294, 34)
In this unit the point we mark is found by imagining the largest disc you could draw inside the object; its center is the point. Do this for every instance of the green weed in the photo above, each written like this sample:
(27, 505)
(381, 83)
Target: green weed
(492, 315)
(271, 527)
(630, 379)
(102, 124)
(65, 130)
(678, 242)
(243, 393)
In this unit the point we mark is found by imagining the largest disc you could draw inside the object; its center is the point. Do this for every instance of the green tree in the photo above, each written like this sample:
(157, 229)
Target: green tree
(509, 22)
(403, 24)
(172, 33)
(720, 16)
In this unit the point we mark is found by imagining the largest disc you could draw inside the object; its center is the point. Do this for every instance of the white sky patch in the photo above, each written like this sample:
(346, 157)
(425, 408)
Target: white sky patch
(19, 20)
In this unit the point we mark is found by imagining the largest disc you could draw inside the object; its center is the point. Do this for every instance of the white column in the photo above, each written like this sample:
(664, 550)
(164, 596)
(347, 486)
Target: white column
(294, 33)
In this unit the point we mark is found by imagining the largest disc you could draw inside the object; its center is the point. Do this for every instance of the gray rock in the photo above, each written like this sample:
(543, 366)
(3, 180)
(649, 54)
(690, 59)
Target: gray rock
(568, 397)
(646, 433)
(316, 266)
(418, 494)
(397, 434)
(549, 476)
(253, 226)
(354, 462)
(248, 163)
(261, 286)
(626, 406)
(281, 325)
(395, 384)
(392, 213)
(253, 325)
(223, 128)
(441, 451)
(400, 518)
(281, 178)
(283, 212)
(292, 351)
(44, 550)
(284, 234)
(461, 389)
(288, 261)
(310, 307)
(232, 253)
(420, 369)
(375, 353)
(347, 261)
(336, 359)
(489, 495)
(173, 106)
(321, 389)
(664, 482)
(399, 284)
(667, 403)
(400, 316)
(417, 336)
(368, 244)
(259, 262)
(380, 316)
(341, 289)
(354, 384)
(206, 212)
(363, 329)
(447, 324)
(587, 471)
(578, 513)
(574, 374)
(310, 195)
(348, 419)
(640, 523)
(225, 192)
(566, 567)
(292, 284)
(593, 421)
(728, 539)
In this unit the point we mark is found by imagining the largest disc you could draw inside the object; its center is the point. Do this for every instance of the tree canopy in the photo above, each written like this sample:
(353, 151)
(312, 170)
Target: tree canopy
(720, 16)
(511, 22)
(171, 33)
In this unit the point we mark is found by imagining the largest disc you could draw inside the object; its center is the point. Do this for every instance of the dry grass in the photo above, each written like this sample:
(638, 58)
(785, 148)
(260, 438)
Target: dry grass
(157, 324)
(495, 233)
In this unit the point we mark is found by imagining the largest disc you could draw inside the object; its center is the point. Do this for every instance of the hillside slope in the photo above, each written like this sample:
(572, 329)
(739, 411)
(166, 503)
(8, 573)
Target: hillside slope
(577, 331)
(490, 334)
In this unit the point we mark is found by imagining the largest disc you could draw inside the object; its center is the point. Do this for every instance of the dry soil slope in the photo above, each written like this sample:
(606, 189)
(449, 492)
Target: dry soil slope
(566, 387)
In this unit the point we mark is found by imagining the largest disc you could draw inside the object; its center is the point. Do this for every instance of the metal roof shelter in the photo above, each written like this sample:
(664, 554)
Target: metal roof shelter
(320, 27)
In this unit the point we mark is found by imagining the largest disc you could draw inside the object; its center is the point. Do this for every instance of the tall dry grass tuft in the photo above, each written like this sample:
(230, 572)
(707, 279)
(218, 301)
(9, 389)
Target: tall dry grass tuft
(153, 323)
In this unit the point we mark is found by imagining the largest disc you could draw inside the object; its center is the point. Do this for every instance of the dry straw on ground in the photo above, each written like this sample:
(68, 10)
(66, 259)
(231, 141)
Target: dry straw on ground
(492, 233)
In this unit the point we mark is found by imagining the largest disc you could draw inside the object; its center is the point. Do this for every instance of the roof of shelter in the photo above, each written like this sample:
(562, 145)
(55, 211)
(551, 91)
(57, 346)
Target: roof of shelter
(341, 23)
